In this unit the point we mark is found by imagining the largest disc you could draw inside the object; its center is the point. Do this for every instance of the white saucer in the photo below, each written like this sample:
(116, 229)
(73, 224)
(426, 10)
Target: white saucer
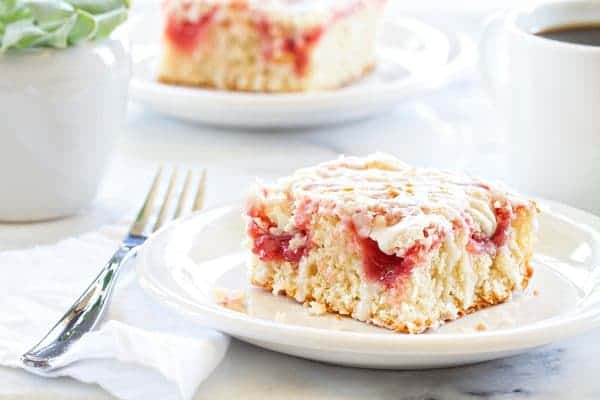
(414, 58)
(183, 264)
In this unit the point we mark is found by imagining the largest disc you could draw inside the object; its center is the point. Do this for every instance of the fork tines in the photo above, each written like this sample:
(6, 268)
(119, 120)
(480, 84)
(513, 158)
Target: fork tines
(172, 195)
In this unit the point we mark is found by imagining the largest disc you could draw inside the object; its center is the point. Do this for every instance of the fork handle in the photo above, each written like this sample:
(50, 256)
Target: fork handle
(81, 318)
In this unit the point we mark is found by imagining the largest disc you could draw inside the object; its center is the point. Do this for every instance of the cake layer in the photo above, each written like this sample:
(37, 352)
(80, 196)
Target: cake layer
(266, 46)
(383, 242)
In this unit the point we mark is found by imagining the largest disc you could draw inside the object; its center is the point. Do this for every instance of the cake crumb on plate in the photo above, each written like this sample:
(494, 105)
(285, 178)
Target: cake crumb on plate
(315, 308)
(481, 326)
(232, 299)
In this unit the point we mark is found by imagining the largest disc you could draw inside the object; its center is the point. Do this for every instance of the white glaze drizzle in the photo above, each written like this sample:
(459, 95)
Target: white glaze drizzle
(394, 203)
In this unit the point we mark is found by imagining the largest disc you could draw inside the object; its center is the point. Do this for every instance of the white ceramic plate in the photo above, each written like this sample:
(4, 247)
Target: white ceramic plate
(414, 58)
(183, 265)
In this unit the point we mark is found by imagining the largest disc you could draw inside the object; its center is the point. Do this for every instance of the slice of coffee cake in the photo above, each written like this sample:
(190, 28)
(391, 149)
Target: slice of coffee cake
(268, 45)
(399, 247)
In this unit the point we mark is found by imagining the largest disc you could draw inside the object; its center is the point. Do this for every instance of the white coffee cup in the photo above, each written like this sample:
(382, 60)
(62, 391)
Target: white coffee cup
(549, 92)
(61, 113)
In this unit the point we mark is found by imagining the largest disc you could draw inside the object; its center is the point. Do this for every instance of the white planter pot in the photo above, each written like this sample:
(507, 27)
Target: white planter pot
(61, 112)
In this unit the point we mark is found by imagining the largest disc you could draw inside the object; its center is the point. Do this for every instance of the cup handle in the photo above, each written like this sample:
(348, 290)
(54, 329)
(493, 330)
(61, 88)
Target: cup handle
(493, 56)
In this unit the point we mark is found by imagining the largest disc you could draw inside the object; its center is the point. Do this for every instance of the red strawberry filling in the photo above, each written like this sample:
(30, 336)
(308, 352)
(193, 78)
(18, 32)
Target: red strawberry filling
(387, 269)
(185, 34)
(297, 46)
(480, 244)
(378, 266)
(274, 247)
(381, 267)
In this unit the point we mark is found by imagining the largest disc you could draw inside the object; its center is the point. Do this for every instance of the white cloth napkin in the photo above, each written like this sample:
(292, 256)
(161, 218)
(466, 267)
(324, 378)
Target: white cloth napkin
(141, 351)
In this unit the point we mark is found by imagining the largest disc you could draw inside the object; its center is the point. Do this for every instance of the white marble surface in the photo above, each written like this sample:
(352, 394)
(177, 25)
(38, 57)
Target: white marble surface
(456, 128)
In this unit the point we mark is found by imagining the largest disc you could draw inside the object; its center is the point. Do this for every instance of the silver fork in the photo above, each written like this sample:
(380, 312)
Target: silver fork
(88, 309)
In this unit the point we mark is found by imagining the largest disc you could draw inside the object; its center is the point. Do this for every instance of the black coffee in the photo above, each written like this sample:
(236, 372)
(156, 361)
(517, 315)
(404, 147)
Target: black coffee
(588, 34)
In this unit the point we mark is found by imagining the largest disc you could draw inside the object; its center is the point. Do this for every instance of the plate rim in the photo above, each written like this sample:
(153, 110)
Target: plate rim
(528, 336)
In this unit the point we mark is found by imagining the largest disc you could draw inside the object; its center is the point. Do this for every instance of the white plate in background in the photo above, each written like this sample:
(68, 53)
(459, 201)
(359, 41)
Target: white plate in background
(182, 265)
(414, 59)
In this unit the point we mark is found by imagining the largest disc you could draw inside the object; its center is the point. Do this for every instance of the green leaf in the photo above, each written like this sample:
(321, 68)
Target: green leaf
(58, 23)
(6, 6)
(16, 13)
(44, 11)
(98, 6)
(84, 29)
(107, 22)
(21, 34)
(59, 37)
